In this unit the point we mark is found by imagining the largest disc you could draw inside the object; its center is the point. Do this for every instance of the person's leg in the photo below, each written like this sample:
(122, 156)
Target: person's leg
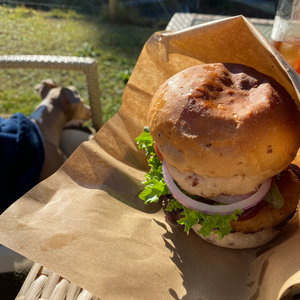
(21, 158)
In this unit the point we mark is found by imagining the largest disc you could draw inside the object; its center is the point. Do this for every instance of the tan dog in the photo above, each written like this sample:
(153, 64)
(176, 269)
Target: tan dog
(60, 105)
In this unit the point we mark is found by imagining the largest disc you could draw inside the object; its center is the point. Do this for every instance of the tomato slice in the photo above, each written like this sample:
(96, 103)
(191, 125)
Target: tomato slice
(160, 156)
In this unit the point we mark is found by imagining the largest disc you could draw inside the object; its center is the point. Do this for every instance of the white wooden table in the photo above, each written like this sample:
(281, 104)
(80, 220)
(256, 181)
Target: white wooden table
(184, 20)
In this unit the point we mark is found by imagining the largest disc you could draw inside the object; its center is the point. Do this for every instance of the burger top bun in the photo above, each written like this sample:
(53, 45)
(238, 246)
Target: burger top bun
(224, 128)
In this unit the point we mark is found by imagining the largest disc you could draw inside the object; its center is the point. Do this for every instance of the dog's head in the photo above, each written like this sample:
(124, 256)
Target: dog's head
(67, 98)
(79, 110)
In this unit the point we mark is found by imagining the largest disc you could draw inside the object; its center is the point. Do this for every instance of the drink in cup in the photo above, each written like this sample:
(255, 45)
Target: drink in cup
(286, 32)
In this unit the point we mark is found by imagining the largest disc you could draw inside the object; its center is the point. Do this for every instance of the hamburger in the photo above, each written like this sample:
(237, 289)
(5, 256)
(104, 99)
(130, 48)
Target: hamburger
(220, 140)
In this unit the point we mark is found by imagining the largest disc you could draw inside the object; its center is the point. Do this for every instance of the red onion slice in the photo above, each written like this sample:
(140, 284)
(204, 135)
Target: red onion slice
(214, 209)
(226, 199)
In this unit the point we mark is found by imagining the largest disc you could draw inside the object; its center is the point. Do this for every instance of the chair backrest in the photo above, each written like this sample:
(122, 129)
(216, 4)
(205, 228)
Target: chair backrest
(86, 65)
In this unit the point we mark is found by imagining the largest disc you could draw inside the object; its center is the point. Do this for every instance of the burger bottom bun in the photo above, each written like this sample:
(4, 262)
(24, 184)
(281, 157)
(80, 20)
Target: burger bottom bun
(239, 240)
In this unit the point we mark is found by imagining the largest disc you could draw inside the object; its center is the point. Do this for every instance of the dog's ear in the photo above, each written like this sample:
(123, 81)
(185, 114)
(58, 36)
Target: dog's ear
(72, 94)
(44, 87)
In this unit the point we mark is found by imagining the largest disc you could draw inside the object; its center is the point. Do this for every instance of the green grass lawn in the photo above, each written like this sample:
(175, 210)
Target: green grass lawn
(26, 31)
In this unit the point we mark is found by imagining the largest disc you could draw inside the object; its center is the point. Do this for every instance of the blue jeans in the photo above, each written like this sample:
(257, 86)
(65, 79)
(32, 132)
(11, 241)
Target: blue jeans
(21, 158)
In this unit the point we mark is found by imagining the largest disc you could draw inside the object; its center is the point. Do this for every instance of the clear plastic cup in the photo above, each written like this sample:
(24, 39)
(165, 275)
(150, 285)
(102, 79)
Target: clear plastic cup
(286, 32)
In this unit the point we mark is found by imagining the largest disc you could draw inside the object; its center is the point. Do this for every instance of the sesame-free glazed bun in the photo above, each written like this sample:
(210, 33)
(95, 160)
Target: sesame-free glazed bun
(224, 128)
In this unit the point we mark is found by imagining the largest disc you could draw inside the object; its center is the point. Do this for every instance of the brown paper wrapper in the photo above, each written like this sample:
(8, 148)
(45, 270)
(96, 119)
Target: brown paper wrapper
(87, 223)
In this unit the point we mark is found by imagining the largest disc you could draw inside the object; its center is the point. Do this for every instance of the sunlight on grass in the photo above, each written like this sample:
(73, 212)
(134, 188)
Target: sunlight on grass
(26, 31)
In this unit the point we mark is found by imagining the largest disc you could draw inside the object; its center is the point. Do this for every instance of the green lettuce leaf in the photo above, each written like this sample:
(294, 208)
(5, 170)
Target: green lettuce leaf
(274, 197)
(219, 224)
(145, 142)
(155, 185)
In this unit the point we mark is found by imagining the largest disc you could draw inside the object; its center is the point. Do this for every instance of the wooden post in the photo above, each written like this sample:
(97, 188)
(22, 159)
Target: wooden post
(113, 8)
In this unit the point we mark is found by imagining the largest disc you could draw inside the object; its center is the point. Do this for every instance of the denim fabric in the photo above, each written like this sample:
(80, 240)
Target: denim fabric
(21, 158)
